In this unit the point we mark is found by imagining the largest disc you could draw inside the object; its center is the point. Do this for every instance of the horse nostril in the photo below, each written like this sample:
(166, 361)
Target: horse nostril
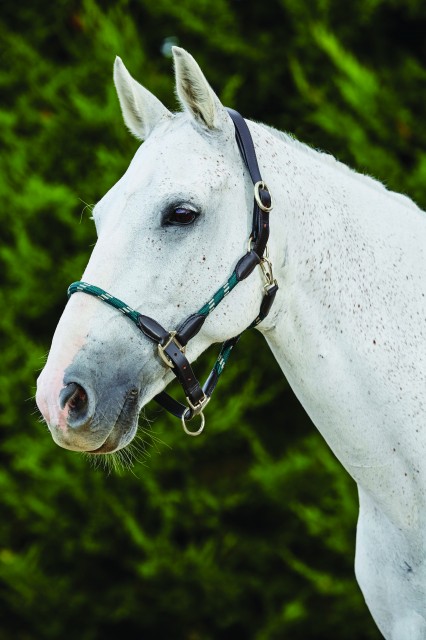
(74, 396)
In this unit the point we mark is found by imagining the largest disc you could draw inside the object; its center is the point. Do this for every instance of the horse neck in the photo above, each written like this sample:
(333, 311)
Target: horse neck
(317, 223)
(334, 236)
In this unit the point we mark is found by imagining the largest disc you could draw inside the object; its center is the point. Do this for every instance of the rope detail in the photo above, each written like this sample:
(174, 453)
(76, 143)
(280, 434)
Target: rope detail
(219, 295)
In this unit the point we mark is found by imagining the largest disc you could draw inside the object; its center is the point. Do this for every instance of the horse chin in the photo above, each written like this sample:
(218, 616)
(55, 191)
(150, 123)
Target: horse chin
(119, 438)
(115, 441)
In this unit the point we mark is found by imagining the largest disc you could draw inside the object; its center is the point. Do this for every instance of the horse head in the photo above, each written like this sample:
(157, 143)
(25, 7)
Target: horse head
(169, 233)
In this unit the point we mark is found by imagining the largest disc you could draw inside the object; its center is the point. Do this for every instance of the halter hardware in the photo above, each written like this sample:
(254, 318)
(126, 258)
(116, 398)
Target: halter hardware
(262, 186)
(197, 410)
(200, 428)
(266, 267)
(172, 344)
(161, 349)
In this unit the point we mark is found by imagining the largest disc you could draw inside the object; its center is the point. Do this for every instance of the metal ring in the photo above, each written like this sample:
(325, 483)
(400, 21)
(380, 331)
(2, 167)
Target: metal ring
(261, 185)
(199, 430)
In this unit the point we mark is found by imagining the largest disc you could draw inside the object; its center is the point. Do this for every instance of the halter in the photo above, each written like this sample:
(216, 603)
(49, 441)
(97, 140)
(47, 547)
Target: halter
(172, 344)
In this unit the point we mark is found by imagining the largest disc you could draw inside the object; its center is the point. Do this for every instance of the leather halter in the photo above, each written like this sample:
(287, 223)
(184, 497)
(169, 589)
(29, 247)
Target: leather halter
(172, 344)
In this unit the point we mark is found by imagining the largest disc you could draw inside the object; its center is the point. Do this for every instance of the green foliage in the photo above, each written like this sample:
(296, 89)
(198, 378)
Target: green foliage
(249, 531)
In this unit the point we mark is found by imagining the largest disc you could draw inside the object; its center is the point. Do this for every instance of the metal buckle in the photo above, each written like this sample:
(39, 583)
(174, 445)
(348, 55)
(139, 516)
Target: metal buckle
(197, 411)
(165, 358)
(266, 266)
(261, 185)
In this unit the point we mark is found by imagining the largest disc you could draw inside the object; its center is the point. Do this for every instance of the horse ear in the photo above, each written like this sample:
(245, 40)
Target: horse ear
(142, 111)
(195, 93)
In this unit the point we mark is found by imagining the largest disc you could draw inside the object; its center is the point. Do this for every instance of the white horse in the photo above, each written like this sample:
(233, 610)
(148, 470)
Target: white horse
(348, 326)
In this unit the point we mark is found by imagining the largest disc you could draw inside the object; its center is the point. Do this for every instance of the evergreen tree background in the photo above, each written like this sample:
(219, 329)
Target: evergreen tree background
(247, 532)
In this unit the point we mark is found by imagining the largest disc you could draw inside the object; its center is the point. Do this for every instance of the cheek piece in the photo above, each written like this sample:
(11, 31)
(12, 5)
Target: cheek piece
(172, 344)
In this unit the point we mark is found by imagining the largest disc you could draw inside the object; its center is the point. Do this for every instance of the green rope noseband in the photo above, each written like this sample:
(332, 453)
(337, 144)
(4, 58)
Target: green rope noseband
(135, 316)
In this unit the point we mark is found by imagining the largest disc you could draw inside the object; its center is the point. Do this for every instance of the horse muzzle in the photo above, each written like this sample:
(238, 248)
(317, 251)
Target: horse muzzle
(79, 422)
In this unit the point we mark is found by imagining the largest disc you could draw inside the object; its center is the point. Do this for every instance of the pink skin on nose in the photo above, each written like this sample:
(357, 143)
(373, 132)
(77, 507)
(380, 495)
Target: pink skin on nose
(49, 385)
(47, 399)
(66, 344)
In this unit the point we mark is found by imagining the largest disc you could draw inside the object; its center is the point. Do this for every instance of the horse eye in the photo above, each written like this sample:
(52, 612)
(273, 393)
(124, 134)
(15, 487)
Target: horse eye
(181, 216)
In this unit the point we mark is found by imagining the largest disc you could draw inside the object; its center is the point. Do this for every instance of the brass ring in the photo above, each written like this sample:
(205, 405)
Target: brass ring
(199, 430)
(261, 185)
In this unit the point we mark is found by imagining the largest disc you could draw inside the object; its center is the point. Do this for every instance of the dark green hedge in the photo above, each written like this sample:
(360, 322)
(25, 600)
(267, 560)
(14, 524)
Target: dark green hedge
(249, 531)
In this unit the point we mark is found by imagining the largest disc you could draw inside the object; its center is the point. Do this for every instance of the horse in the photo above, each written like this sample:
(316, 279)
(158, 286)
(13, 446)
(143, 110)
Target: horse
(347, 327)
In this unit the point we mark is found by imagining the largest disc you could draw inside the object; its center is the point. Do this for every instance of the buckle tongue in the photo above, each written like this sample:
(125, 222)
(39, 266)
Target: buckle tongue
(161, 349)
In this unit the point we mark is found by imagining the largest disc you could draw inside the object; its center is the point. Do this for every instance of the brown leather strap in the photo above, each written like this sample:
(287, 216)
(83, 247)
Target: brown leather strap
(189, 328)
(152, 329)
(260, 226)
(184, 373)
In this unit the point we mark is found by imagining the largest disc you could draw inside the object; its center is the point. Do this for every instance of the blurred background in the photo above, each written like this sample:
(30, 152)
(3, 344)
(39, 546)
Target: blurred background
(247, 532)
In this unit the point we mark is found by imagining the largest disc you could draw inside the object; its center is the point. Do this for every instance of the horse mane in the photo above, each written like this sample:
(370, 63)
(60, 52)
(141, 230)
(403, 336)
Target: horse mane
(327, 158)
